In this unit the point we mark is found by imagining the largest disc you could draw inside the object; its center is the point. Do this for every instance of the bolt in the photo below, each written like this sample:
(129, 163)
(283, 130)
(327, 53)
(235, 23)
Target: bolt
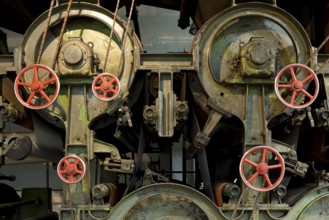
(292, 153)
(201, 141)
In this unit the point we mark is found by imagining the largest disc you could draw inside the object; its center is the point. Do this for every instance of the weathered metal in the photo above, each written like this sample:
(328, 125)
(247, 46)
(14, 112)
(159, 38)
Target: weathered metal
(165, 201)
(118, 108)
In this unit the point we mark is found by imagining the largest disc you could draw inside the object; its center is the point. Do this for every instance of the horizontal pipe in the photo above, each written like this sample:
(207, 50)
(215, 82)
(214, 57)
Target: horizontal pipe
(17, 204)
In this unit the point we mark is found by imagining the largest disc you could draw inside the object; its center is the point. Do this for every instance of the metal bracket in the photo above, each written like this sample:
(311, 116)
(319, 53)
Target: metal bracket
(124, 117)
(202, 138)
(321, 177)
(295, 167)
(165, 104)
(122, 166)
(167, 111)
(151, 177)
(115, 162)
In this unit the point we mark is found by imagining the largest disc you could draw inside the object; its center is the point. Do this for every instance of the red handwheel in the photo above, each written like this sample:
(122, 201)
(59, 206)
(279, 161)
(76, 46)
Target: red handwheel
(296, 87)
(38, 97)
(260, 169)
(71, 169)
(106, 86)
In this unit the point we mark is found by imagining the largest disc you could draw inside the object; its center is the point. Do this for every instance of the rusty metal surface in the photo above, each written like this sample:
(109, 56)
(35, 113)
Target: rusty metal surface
(215, 60)
(90, 39)
(165, 201)
(229, 107)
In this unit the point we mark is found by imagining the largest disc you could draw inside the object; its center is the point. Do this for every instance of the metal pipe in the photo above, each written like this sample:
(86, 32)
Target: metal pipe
(17, 204)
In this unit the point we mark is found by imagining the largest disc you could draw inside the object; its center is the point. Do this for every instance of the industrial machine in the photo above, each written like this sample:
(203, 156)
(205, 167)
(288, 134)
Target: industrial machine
(248, 105)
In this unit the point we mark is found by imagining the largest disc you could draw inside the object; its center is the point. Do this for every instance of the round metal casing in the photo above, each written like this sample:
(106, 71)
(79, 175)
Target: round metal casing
(310, 204)
(246, 45)
(165, 201)
(18, 147)
(75, 58)
(82, 55)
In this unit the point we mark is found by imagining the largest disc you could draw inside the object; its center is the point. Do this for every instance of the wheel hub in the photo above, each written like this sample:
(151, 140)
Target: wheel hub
(297, 86)
(262, 168)
(36, 87)
(71, 168)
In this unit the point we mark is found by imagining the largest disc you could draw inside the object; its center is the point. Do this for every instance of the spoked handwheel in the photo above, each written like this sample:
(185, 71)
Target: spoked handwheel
(71, 169)
(259, 162)
(106, 87)
(295, 87)
(39, 96)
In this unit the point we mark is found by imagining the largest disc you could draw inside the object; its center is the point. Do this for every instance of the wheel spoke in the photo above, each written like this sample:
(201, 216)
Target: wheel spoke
(284, 85)
(114, 90)
(307, 78)
(291, 69)
(62, 171)
(268, 180)
(103, 79)
(253, 177)
(104, 94)
(66, 162)
(275, 166)
(293, 97)
(71, 179)
(30, 97)
(24, 84)
(35, 74)
(264, 155)
(49, 81)
(307, 94)
(112, 80)
(250, 162)
(45, 95)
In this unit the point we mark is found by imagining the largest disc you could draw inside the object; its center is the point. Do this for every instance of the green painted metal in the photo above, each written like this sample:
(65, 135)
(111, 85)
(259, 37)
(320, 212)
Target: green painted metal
(89, 29)
(235, 58)
(218, 57)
